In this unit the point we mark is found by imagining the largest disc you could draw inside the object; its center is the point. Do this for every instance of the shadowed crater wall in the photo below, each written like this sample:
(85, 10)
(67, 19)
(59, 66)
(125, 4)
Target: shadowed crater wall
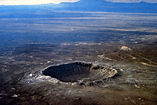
(71, 72)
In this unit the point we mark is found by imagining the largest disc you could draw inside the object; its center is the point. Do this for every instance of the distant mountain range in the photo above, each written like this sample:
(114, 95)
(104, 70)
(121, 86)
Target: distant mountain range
(91, 5)
(101, 5)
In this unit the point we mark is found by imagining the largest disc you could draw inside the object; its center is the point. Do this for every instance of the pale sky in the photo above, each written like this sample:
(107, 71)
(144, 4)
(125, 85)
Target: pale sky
(32, 2)
(37, 2)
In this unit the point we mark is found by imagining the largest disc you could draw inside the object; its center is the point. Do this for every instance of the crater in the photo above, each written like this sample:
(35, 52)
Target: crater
(79, 71)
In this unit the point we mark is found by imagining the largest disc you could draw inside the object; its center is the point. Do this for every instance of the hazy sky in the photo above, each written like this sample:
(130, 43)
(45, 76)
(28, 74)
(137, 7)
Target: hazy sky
(32, 2)
(36, 2)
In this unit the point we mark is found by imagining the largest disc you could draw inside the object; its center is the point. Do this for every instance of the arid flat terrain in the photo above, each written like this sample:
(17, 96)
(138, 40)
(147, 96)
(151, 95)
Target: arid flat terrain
(118, 55)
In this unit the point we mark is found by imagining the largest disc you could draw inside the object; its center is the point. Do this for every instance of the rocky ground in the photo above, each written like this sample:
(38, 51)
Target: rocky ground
(23, 83)
(122, 45)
